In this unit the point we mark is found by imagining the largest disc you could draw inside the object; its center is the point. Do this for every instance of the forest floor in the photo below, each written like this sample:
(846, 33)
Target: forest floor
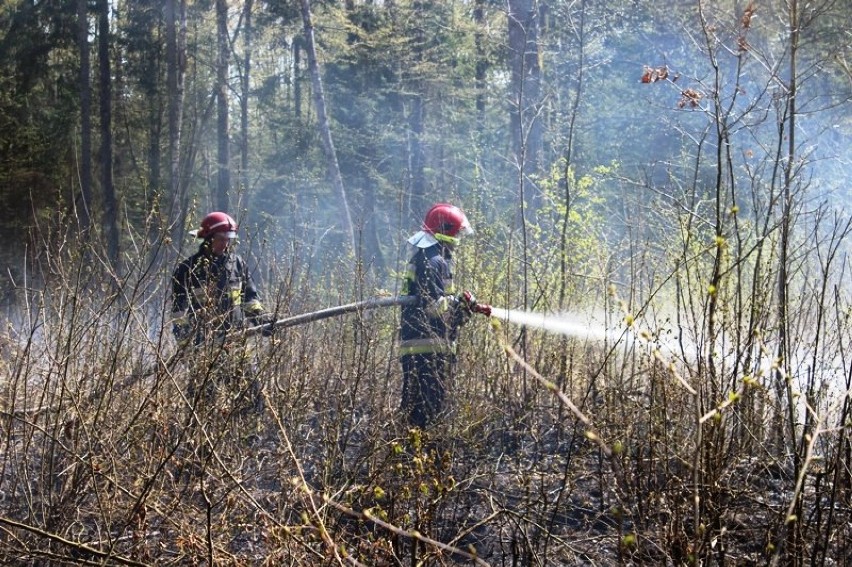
(531, 506)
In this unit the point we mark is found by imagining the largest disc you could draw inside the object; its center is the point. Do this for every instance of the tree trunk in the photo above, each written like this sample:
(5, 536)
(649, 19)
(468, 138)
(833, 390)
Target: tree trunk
(107, 185)
(526, 83)
(174, 120)
(793, 539)
(416, 121)
(244, 89)
(417, 177)
(481, 63)
(297, 79)
(83, 211)
(223, 184)
(175, 69)
(155, 124)
(526, 132)
(325, 129)
(373, 257)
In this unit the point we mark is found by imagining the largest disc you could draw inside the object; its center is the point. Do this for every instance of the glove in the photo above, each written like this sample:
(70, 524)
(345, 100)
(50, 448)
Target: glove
(468, 301)
(268, 322)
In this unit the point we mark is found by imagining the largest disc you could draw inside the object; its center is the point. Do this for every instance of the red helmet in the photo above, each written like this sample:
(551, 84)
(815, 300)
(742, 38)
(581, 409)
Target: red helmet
(216, 223)
(446, 219)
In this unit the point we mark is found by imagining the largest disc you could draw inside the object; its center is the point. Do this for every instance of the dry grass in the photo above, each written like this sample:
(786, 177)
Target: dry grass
(106, 460)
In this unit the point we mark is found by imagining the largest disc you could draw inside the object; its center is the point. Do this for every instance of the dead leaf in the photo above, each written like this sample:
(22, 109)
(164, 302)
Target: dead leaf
(654, 74)
(689, 97)
(748, 14)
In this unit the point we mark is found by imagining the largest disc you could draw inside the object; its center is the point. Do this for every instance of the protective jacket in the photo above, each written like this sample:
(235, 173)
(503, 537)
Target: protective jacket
(213, 294)
(430, 326)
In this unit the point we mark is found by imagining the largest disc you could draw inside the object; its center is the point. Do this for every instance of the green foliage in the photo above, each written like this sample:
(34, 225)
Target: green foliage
(376, 59)
(37, 125)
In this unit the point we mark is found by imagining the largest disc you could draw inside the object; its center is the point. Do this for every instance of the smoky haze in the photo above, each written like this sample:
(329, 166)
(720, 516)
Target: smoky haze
(663, 144)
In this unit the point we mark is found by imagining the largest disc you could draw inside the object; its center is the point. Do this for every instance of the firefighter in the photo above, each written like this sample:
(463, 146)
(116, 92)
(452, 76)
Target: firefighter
(430, 326)
(212, 294)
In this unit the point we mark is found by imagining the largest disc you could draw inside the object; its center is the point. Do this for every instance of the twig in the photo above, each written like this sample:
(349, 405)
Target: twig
(367, 515)
(303, 485)
(72, 544)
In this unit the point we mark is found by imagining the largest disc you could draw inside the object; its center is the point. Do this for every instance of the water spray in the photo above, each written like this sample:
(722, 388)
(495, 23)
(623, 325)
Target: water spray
(567, 325)
(570, 325)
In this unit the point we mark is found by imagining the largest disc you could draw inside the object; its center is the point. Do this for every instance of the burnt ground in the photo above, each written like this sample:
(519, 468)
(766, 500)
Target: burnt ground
(393, 501)
(283, 490)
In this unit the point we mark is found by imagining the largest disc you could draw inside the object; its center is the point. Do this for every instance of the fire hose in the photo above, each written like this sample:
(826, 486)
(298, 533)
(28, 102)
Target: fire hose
(365, 305)
(358, 306)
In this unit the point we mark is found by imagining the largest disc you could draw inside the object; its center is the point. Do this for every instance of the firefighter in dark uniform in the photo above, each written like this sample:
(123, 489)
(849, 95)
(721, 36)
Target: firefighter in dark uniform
(430, 326)
(212, 294)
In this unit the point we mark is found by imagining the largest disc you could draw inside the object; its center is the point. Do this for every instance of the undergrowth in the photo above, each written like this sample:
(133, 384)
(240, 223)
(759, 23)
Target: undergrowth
(108, 456)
